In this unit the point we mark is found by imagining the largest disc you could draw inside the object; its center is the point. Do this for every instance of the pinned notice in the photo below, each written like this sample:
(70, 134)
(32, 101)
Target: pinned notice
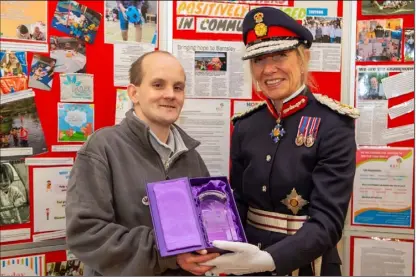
(399, 84)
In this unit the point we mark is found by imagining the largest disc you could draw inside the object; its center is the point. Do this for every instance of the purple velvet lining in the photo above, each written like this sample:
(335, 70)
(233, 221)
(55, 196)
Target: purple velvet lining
(175, 203)
(176, 210)
(217, 196)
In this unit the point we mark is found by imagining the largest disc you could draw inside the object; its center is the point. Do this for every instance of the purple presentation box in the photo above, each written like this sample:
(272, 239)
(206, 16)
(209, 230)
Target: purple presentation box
(188, 214)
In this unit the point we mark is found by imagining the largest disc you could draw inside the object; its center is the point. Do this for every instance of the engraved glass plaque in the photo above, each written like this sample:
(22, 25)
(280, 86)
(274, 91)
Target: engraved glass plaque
(217, 216)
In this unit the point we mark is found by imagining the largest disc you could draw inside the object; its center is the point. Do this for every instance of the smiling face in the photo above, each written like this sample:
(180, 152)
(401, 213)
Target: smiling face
(279, 74)
(160, 95)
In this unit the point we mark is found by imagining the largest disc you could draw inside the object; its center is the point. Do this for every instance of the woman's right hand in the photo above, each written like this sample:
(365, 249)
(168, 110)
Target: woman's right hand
(190, 261)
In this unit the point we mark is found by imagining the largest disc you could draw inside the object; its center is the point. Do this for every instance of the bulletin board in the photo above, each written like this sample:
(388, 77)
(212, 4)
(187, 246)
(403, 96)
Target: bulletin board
(360, 233)
(100, 63)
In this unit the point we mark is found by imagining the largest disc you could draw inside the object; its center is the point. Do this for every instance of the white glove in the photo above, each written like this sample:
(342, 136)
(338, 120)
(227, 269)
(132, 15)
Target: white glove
(247, 258)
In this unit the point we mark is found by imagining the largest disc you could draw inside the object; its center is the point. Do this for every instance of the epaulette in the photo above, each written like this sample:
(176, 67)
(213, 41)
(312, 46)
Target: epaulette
(248, 112)
(338, 106)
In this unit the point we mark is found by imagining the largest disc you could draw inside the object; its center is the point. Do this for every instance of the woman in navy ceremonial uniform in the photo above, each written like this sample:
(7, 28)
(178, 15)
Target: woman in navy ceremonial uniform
(293, 159)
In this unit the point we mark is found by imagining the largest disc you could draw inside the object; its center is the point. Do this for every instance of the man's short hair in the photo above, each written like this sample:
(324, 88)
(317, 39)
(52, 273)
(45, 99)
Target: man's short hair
(136, 71)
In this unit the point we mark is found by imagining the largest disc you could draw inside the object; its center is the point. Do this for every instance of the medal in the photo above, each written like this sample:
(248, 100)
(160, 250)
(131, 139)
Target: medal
(312, 132)
(278, 132)
(299, 140)
(309, 141)
(294, 201)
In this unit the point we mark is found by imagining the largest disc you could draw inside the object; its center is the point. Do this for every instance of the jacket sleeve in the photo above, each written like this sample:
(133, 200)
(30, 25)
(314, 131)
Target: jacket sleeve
(236, 174)
(92, 234)
(333, 178)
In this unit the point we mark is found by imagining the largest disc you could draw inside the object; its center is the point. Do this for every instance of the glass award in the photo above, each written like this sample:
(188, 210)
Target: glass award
(217, 216)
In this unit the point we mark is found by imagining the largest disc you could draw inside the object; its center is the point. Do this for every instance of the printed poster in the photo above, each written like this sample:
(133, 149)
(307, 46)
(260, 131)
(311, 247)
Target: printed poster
(65, 268)
(24, 266)
(76, 20)
(409, 45)
(41, 72)
(241, 106)
(369, 7)
(371, 100)
(77, 87)
(21, 132)
(50, 186)
(69, 54)
(136, 23)
(75, 122)
(214, 70)
(14, 192)
(222, 20)
(24, 27)
(379, 40)
(378, 256)
(123, 105)
(13, 71)
(326, 44)
(208, 121)
(383, 187)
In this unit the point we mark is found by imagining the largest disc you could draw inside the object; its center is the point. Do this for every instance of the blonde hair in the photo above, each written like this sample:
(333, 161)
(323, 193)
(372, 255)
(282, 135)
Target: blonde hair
(307, 78)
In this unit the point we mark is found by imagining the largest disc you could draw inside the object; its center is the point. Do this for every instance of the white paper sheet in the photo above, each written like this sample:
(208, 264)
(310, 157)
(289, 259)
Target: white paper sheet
(14, 235)
(241, 106)
(376, 257)
(23, 266)
(401, 133)
(399, 84)
(383, 187)
(209, 122)
(49, 235)
(49, 161)
(66, 148)
(401, 109)
(214, 70)
(49, 188)
(123, 104)
(124, 55)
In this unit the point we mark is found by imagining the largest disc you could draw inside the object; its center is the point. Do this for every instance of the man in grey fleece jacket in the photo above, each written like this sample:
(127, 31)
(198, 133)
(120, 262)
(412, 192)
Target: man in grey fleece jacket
(109, 226)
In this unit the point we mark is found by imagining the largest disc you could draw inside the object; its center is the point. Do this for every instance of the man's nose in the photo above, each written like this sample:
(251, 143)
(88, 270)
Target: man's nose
(169, 93)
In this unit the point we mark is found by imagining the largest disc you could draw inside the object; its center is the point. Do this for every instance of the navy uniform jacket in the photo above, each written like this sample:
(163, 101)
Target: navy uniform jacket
(322, 174)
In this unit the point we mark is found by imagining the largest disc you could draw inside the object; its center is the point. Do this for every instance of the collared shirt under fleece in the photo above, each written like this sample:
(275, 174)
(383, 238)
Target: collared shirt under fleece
(109, 226)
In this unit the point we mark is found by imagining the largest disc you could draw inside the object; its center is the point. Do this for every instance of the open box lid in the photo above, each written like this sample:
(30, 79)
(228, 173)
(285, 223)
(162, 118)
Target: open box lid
(175, 215)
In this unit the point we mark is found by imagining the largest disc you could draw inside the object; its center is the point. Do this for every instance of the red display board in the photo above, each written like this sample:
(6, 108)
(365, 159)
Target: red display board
(408, 22)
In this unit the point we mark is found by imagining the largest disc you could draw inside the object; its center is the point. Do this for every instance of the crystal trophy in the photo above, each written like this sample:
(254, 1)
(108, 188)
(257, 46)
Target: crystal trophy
(217, 216)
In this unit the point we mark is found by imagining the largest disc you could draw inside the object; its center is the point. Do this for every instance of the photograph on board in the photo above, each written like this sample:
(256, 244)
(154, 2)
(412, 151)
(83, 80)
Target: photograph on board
(409, 45)
(210, 61)
(69, 53)
(379, 40)
(377, 7)
(369, 86)
(41, 72)
(65, 268)
(24, 22)
(76, 20)
(14, 203)
(131, 21)
(13, 71)
(20, 126)
(75, 122)
(324, 29)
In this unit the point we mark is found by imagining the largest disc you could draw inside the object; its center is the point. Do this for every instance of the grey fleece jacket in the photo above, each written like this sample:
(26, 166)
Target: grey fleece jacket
(109, 226)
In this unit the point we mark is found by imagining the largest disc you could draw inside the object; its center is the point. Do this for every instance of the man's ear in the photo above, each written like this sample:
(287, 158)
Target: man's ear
(133, 93)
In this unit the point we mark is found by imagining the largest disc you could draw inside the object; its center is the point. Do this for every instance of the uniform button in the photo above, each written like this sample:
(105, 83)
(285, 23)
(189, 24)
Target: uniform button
(264, 188)
(268, 158)
(145, 201)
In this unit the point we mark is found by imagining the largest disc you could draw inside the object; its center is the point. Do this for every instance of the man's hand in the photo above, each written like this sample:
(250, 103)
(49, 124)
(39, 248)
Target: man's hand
(246, 258)
(190, 262)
